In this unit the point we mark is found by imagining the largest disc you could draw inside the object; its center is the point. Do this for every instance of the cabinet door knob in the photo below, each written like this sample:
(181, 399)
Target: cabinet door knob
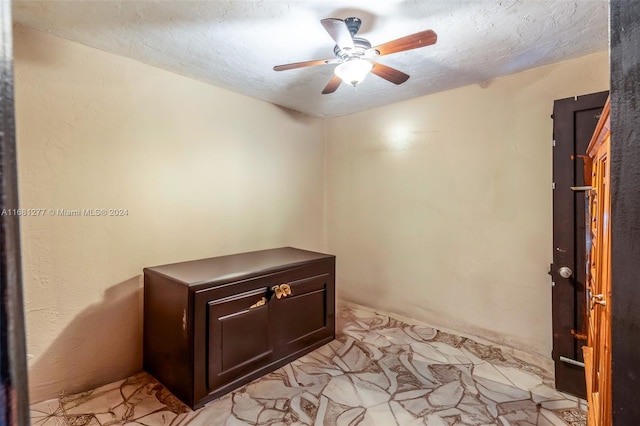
(282, 290)
(259, 303)
(286, 290)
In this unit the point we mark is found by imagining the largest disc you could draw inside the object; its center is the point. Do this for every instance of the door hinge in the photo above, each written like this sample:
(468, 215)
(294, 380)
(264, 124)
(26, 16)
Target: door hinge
(553, 185)
(553, 142)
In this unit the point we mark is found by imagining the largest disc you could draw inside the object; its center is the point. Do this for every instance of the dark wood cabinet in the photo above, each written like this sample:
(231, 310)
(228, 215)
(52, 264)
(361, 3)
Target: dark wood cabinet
(212, 325)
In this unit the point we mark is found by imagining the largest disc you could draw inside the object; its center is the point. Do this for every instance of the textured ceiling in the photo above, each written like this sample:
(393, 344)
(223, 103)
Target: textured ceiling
(235, 44)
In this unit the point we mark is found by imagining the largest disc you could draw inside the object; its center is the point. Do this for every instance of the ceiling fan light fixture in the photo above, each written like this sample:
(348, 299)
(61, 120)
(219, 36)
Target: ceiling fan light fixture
(356, 57)
(353, 71)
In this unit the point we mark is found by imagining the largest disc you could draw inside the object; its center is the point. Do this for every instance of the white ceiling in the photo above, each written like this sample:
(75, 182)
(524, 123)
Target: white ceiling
(235, 44)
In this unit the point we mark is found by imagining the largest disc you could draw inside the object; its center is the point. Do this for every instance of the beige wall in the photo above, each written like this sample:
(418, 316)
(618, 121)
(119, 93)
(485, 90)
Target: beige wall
(202, 172)
(439, 208)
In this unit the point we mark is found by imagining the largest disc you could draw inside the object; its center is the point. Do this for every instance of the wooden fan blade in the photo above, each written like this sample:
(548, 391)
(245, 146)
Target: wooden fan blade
(302, 64)
(332, 86)
(390, 74)
(339, 32)
(413, 41)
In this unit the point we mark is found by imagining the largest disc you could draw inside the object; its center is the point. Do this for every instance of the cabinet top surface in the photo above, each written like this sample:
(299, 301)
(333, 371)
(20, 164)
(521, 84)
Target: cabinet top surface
(236, 266)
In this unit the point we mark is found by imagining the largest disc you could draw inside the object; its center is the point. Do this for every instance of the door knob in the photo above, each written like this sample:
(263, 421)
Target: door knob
(565, 272)
(599, 299)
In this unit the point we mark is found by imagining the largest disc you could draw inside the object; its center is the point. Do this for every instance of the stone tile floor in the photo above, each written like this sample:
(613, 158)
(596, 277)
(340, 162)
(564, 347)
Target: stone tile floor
(379, 371)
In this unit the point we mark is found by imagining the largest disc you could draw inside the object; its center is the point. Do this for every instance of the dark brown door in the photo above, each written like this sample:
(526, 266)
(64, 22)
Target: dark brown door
(574, 121)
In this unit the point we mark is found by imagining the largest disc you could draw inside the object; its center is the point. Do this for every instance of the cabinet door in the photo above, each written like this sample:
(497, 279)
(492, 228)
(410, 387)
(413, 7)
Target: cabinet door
(238, 336)
(305, 316)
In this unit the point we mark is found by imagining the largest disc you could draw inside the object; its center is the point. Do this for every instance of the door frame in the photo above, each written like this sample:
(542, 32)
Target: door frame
(625, 209)
(14, 397)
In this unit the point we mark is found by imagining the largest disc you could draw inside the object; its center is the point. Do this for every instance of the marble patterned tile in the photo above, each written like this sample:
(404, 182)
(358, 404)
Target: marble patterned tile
(379, 371)
(572, 416)
(550, 418)
(490, 372)
(520, 378)
(545, 393)
(48, 413)
(557, 404)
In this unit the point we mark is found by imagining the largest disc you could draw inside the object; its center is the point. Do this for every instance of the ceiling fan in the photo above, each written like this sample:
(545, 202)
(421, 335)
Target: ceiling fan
(355, 56)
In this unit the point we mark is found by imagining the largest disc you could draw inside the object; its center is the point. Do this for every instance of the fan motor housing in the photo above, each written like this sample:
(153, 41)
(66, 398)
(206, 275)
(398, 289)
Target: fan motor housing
(353, 24)
(360, 46)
